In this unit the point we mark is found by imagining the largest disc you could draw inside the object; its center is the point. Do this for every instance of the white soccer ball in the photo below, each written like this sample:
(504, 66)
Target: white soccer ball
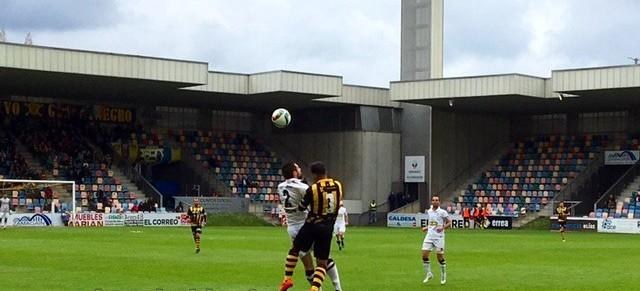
(281, 118)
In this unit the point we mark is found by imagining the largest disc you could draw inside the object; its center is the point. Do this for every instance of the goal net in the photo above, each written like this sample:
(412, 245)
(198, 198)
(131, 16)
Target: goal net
(40, 196)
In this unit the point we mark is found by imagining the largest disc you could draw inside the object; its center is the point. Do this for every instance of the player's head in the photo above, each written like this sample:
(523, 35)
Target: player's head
(561, 203)
(319, 170)
(196, 202)
(435, 201)
(341, 203)
(291, 170)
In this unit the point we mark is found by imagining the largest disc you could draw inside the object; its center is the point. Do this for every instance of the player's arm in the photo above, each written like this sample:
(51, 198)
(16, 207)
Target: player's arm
(346, 216)
(447, 222)
(306, 200)
(204, 217)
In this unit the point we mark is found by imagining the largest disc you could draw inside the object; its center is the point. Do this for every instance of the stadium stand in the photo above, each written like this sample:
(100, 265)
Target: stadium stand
(531, 173)
(62, 147)
(240, 161)
(627, 204)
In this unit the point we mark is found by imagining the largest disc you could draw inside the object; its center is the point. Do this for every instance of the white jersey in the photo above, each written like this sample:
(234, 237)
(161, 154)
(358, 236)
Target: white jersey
(437, 219)
(342, 215)
(4, 204)
(291, 193)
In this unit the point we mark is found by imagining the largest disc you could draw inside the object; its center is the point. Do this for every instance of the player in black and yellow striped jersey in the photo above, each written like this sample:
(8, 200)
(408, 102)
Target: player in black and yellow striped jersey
(198, 218)
(563, 213)
(323, 201)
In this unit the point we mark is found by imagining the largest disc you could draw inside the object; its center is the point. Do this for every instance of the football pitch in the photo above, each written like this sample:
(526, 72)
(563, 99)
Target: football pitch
(252, 258)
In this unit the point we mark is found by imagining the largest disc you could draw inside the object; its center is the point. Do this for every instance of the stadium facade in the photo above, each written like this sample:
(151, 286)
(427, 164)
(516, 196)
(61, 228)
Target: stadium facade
(363, 133)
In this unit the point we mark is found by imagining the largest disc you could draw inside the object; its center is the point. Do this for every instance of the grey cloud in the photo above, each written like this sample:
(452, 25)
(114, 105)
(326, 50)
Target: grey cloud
(489, 28)
(60, 15)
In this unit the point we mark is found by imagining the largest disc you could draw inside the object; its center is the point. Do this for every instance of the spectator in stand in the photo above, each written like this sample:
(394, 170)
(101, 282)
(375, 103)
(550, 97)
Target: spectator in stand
(611, 203)
(466, 215)
(48, 194)
(392, 201)
(179, 208)
(135, 208)
(474, 216)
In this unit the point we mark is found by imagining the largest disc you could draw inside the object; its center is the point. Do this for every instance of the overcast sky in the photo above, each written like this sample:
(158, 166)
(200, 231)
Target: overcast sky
(357, 39)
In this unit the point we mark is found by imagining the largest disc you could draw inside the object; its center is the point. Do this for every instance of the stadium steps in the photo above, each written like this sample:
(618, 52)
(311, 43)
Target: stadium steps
(35, 165)
(465, 178)
(568, 193)
(205, 175)
(126, 182)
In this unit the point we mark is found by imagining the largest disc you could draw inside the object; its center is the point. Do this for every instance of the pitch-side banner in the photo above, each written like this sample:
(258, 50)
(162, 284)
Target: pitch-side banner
(621, 157)
(165, 219)
(575, 224)
(613, 225)
(34, 219)
(418, 220)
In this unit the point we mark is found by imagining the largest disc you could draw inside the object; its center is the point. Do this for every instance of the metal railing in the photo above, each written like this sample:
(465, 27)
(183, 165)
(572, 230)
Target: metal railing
(620, 184)
(137, 178)
(478, 165)
(448, 190)
(206, 175)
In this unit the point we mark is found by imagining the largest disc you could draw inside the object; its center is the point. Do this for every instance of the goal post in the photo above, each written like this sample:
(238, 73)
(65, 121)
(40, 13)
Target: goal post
(44, 184)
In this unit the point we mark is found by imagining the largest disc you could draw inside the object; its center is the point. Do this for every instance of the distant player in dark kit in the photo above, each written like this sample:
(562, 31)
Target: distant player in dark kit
(563, 213)
(323, 201)
(198, 218)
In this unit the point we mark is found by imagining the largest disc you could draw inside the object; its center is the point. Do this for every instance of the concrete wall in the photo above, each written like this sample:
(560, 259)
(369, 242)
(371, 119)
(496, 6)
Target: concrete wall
(416, 140)
(367, 163)
(461, 140)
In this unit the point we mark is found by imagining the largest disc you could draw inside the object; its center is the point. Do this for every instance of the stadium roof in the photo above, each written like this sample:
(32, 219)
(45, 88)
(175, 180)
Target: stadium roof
(583, 90)
(98, 76)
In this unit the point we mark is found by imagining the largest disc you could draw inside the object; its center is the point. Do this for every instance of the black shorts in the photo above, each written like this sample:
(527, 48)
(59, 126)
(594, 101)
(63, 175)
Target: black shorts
(319, 236)
(562, 223)
(196, 229)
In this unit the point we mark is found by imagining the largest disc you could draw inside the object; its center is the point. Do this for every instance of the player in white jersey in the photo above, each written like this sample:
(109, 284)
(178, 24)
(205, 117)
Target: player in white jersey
(291, 192)
(5, 210)
(340, 227)
(434, 240)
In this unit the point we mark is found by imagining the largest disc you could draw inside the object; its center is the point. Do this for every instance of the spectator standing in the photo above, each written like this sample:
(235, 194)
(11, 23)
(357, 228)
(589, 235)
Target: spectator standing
(466, 214)
(392, 201)
(373, 212)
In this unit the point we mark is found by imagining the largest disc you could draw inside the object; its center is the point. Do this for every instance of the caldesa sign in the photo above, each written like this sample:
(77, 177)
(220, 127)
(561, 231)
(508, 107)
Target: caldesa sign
(37, 219)
(621, 157)
(405, 219)
(414, 169)
(612, 225)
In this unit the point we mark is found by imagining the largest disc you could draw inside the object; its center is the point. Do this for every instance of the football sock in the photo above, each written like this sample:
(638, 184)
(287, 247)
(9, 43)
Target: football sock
(290, 264)
(443, 268)
(332, 272)
(426, 265)
(318, 277)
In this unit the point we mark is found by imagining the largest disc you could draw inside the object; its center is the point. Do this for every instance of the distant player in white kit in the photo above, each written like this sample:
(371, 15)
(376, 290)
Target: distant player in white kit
(438, 222)
(5, 209)
(291, 192)
(342, 220)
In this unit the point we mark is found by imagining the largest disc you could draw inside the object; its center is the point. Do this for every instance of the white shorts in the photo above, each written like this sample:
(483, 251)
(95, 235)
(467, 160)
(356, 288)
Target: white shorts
(293, 229)
(433, 244)
(4, 213)
(339, 228)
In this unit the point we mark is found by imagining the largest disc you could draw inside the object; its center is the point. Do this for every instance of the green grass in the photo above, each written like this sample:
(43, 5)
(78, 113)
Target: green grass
(252, 258)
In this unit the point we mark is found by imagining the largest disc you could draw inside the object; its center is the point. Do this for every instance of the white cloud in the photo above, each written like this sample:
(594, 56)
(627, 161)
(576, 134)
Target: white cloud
(357, 39)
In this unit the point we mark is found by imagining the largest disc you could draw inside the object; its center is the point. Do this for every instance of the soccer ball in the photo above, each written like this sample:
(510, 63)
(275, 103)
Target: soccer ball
(281, 118)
